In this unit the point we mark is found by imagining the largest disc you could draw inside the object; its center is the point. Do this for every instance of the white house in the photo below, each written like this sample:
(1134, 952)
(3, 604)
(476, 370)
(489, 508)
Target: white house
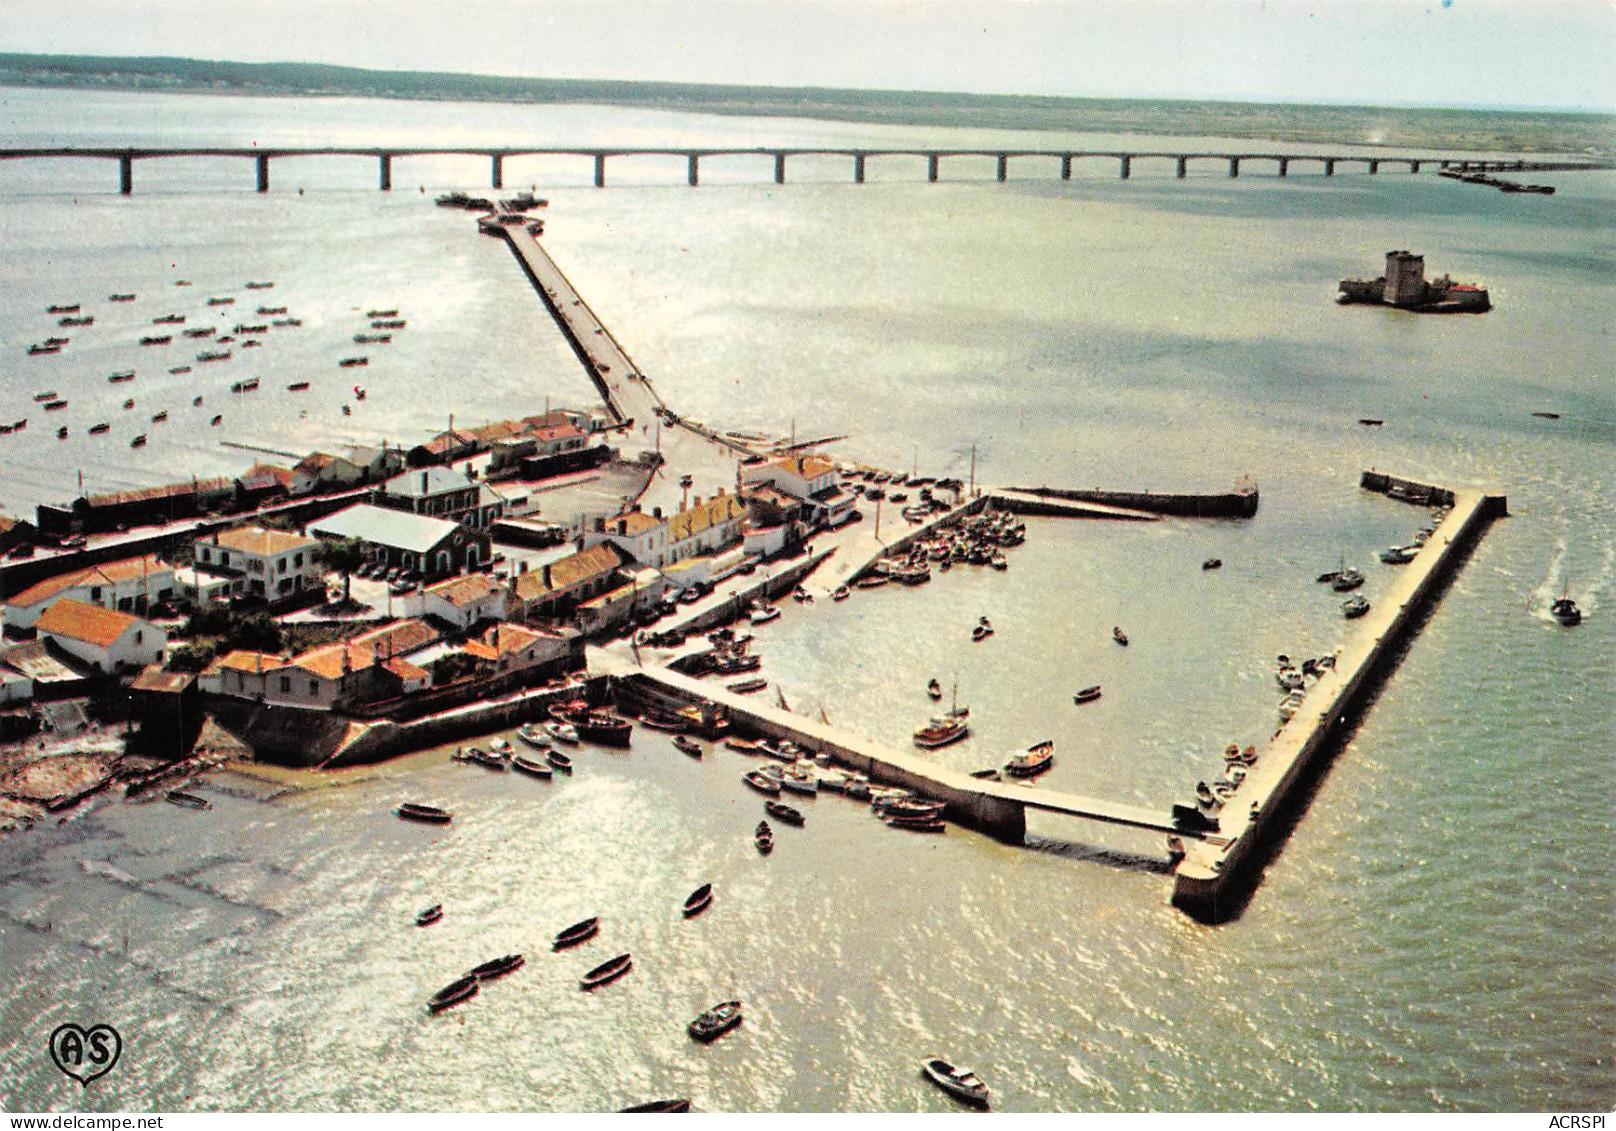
(813, 480)
(651, 540)
(272, 563)
(128, 585)
(509, 648)
(463, 601)
(104, 639)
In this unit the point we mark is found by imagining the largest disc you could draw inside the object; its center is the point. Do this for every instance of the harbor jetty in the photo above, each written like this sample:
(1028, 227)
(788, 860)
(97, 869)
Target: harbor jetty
(1215, 876)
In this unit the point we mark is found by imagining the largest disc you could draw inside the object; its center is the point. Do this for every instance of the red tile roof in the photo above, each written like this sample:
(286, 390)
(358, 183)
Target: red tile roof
(90, 624)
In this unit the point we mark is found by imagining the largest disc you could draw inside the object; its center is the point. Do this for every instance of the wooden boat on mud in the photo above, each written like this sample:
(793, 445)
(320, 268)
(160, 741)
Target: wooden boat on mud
(594, 724)
(576, 934)
(744, 745)
(660, 1106)
(559, 760)
(497, 967)
(687, 745)
(532, 767)
(533, 736)
(429, 916)
(1087, 695)
(747, 686)
(608, 971)
(763, 837)
(784, 813)
(698, 901)
(187, 800)
(462, 989)
(429, 814)
(762, 782)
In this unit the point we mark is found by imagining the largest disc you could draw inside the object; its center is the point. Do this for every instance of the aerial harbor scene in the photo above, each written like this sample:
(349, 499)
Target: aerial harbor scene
(765, 558)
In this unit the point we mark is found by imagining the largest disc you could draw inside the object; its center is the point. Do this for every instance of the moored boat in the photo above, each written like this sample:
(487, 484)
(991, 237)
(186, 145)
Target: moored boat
(658, 1106)
(761, 782)
(353, 362)
(1399, 555)
(1087, 694)
(462, 989)
(1212, 563)
(430, 814)
(698, 901)
(841, 593)
(961, 1083)
(576, 934)
(497, 967)
(559, 760)
(1346, 580)
(941, 731)
(1119, 636)
(561, 732)
(187, 800)
(764, 614)
(531, 766)
(1032, 761)
(533, 735)
(687, 745)
(747, 686)
(784, 813)
(1354, 607)
(934, 690)
(429, 916)
(715, 1022)
(608, 971)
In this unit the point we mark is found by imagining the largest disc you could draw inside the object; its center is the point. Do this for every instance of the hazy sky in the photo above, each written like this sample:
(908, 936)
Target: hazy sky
(1556, 53)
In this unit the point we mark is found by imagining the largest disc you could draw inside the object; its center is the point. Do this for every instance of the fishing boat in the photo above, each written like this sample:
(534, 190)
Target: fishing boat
(372, 339)
(156, 339)
(561, 732)
(297, 387)
(393, 313)
(1087, 695)
(698, 901)
(429, 916)
(800, 780)
(139, 441)
(576, 934)
(763, 614)
(55, 406)
(179, 369)
(271, 310)
(608, 971)
(168, 320)
(1547, 415)
(47, 395)
(559, 760)
(918, 824)
(941, 730)
(1566, 612)
(595, 724)
(715, 1022)
(532, 767)
(784, 813)
(259, 286)
(1212, 563)
(747, 686)
(744, 745)
(1119, 636)
(430, 814)
(42, 348)
(1370, 421)
(390, 324)
(221, 302)
(1203, 793)
(533, 735)
(353, 362)
(934, 690)
(63, 308)
(1346, 580)
(98, 429)
(762, 782)
(121, 298)
(1032, 761)
(486, 758)
(187, 800)
(659, 1106)
(961, 1083)
(157, 417)
(462, 989)
(216, 421)
(841, 593)
(214, 355)
(201, 332)
(687, 745)
(82, 320)
(121, 377)
(1399, 555)
(497, 968)
(1354, 607)
(61, 433)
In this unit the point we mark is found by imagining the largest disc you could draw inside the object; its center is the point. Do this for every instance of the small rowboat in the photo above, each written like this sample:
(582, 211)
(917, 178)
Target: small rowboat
(486, 758)
(764, 838)
(561, 732)
(453, 994)
(532, 767)
(715, 1022)
(576, 934)
(747, 686)
(783, 813)
(497, 967)
(608, 971)
(1087, 695)
(559, 760)
(187, 800)
(687, 745)
(1033, 761)
(698, 901)
(429, 916)
(961, 1083)
(761, 782)
(1212, 563)
(918, 824)
(841, 593)
(744, 745)
(430, 814)
(661, 1106)
(534, 736)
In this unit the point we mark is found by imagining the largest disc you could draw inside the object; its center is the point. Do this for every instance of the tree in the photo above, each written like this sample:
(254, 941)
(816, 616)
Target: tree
(343, 555)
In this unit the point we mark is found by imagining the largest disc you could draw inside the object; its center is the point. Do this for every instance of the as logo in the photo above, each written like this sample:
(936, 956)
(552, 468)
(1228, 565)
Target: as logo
(85, 1055)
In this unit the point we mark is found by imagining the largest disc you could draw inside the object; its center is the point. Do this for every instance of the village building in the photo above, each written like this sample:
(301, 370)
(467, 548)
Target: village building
(434, 546)
(557, 587)
(130, 585)
(368, 667)
(442, 492)
(463, 602)
(812, 480)
(512, 649)
(271, 564)
(103, 639)
(320, 472)
(700, 529)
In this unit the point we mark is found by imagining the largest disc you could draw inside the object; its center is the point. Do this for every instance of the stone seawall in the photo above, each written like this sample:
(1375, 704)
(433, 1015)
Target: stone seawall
(1239, 503)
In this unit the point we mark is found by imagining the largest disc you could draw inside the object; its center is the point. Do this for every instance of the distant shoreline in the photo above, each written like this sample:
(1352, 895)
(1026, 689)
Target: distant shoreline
(1523, 131)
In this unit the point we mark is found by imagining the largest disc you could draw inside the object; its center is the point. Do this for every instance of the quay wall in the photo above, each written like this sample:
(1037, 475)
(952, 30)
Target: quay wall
(1421, 493)
(1214, 877)
(1239, 503)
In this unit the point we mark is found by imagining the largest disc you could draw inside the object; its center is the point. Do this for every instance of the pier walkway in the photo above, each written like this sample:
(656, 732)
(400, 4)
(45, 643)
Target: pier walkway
(1213, 873)
(996, 808)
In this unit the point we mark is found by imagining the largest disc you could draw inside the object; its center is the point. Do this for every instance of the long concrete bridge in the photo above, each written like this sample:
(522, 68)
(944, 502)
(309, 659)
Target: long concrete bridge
(1064, 159)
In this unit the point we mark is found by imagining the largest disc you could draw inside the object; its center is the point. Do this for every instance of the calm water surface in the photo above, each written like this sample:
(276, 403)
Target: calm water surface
(1436, 934)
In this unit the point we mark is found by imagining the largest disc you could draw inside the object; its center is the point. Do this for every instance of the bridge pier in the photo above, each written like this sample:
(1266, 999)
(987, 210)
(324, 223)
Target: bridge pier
(386, 171)
(858, 168)
(779, 168)
(496, 171)
(931, 167)
(1284, 166)
(1183, 167)
(1004, 166)
(600, 170)
(1066, 166)
(1234, 166)
(692, 174)
(263, 172)
(1329, 166)
(1127, 167)
(126, 174)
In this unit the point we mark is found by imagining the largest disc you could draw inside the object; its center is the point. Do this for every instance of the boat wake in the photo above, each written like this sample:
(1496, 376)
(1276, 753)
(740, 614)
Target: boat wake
(1557, 582)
